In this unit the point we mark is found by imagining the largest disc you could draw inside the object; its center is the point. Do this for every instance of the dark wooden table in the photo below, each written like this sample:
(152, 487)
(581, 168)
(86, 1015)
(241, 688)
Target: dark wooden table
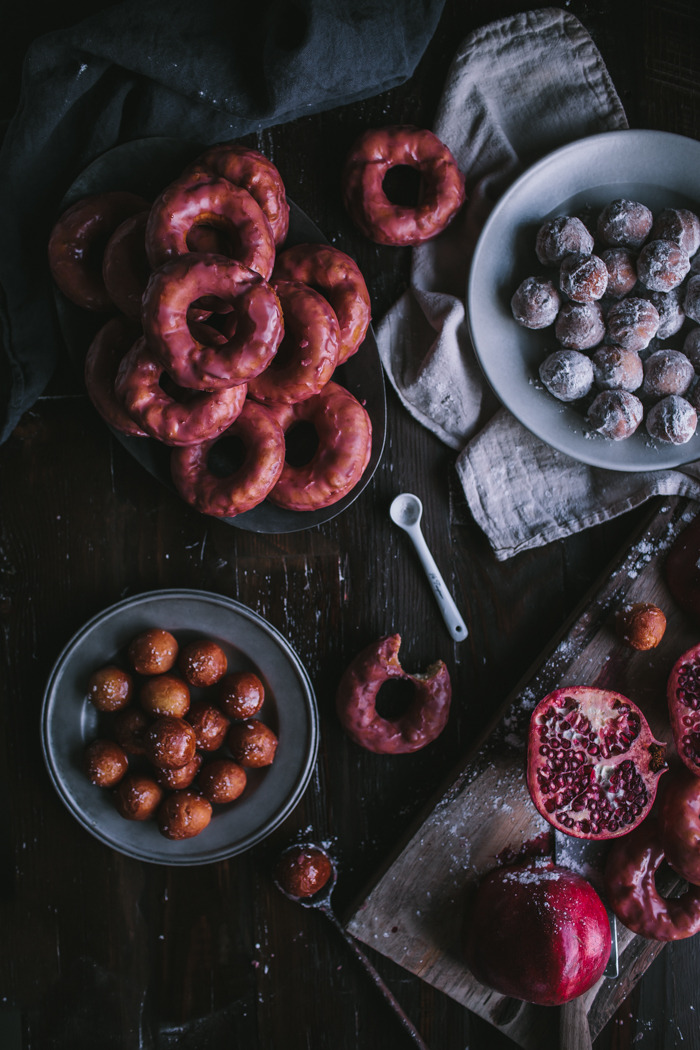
(103, 951)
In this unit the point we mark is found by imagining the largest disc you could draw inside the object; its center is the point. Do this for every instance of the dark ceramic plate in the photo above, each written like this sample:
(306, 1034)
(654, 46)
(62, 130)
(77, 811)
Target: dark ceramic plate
(145, 167)
(70, 722)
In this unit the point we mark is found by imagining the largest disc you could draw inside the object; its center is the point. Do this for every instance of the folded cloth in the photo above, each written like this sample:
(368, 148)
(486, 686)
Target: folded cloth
(517, 89)
(196, 69)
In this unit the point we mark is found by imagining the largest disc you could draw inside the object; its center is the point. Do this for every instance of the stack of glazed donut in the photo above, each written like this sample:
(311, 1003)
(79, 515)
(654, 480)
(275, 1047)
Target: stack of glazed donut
(218, 331)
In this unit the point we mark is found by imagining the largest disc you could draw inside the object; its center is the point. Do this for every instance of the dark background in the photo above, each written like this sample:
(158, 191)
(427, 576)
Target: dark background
(102, 951)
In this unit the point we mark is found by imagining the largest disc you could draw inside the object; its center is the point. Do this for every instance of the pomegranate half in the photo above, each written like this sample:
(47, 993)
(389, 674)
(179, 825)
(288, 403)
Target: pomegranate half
(683, 695)
(593, 764)
(537, 932)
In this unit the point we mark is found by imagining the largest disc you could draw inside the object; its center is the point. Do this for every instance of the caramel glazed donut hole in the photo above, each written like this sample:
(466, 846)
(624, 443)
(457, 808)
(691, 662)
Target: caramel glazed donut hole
(356, 701)
(441, 185)
(245, 486)
(338, 278)
(344, 433)
(224, 362)
(77, 242)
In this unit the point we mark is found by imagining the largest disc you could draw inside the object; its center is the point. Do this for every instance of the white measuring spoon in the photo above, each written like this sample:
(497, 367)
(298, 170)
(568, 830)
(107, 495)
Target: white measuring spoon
(405, 511)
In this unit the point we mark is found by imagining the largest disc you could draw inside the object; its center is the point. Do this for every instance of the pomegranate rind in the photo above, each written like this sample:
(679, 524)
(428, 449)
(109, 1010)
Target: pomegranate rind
(537, 932)
(630, 888)
(356, 700)
(679, 819)
(683, 697)
(601, 781)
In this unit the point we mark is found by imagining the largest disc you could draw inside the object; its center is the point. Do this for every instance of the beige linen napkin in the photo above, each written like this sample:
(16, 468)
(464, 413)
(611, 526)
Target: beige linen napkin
(516, 90)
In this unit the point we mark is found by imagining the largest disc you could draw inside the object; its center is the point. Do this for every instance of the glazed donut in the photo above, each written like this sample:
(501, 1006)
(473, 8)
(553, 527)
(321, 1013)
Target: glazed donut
(631, 888)
(308, 353)
(246, 485)
(77, 242)
(356, 701)
(253, 172)
(103, 358)
(344, 434)
(256, 321)
(125, 267)
(202, 200)
(337, 277)
(441, 192)
(177, 417)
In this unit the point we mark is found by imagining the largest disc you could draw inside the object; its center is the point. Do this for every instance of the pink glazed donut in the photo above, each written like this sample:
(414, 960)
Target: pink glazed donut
(441, 192)
(344, 433)
(179, 417)
(339, 280)
(253, 172)
(247, 484)
(201, 200)
(256, 321)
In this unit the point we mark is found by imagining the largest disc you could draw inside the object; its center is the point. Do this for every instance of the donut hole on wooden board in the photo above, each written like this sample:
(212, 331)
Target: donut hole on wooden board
(402, 185)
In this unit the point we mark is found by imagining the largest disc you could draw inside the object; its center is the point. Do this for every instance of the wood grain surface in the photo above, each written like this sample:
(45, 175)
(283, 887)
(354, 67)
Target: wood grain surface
(414, 912)
(100, 950)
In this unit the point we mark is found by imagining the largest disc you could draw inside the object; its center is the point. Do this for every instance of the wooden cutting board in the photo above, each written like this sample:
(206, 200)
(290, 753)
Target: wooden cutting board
(412, 912)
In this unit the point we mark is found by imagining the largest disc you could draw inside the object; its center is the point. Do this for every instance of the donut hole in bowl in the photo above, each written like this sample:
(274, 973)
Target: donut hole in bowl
(403, 185)
(226, 456)
(394, 698)
(301, 443)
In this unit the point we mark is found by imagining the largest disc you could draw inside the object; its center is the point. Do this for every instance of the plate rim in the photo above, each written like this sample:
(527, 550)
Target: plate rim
(586, 449)
(303, 775)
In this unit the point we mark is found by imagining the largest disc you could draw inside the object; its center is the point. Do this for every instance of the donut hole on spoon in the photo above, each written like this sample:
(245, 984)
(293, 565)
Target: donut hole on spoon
(301, 443)
(394, 698)
(403, 185)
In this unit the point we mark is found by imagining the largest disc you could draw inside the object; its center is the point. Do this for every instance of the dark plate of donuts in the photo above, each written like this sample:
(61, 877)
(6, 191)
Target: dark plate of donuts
(653, 167)
(70, 722)
(144, 167)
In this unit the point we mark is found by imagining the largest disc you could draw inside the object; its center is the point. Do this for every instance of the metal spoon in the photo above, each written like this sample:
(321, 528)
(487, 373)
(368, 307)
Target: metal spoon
(321, 901)
(405, 511)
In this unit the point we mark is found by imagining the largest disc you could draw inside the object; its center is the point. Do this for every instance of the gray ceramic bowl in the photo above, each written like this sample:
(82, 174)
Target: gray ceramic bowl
(69, 722)
(654, 167)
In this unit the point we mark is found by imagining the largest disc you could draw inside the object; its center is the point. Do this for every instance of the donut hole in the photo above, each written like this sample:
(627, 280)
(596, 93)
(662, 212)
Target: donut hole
(402, 185)
(301, 443)
(287, 351)
(394, 698)
(226, 456)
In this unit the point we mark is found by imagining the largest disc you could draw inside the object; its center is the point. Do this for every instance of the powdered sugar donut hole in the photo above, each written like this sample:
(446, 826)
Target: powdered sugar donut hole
(667, 372)
(580, 326)
(615, 368)
(691, 348)
(679, 225)
(535, 303)
(691, 300)
(632, 323)
(662, 265)
(583, 278)
(615, 414)
(672, 419)
(560, 237)
(622, 271)
(567, 374)
(670, 309)
(624, 223)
